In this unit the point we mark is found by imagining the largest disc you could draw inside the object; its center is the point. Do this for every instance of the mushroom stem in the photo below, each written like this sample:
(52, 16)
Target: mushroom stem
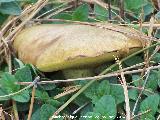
(78, 72)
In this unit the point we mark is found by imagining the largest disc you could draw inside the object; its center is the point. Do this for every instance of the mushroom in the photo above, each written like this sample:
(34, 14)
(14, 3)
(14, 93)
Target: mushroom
(74, 48)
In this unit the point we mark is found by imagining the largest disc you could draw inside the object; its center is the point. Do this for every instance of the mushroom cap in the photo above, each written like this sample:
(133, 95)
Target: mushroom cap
(61, 46)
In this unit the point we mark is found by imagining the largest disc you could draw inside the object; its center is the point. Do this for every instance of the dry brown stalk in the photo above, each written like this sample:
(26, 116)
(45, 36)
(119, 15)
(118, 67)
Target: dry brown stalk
(1, 114)
(69, 90)
(147, 73)
(140, 114)
(32, 103)
(58, 11)
(125, 88)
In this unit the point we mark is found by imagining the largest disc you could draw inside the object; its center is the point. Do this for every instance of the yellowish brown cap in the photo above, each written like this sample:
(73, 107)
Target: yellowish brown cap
(56, 47)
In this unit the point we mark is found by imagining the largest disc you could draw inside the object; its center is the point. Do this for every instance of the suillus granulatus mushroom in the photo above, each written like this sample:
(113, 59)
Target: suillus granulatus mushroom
(74, 48)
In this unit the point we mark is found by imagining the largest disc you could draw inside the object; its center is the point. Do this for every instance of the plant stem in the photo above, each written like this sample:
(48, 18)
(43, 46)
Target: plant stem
(91, 82)
(13, 102)
(15, 110)
(109, 10)
(32, 103)
(140, 114)
(121, 7)
(124, 85)
(139, 96)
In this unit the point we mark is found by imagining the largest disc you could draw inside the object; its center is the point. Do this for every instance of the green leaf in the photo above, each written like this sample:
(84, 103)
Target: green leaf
(157, 16)
(4, 68)
(130, 5)
(34, 70)
(92, 116)
(43, 95)
(53, 102)
(103, 88)
(134, 60)
(82, 98)
(22, 107)
(46, 111)
(2, 1)
(100, 12)
(24, 74)
(97, 90)
(106, 106)
(22, 97)
(150, 103)
(3, 93)
(133, 94)
(18, 64)
(11, 8)
(64, 16)
(3, 18)
(158, 77)
(153, 80)
(8, 83)
(132, 104)
(48, 86)
(117, 93)
(81, 13)
(148, 9)
(156, 57)
(87, 109)
(157, 34)
(136, 79)
(36, 115)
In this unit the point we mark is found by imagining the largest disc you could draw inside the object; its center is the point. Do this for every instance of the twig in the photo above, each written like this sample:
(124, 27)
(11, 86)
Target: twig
(65, 3)
(154, 52)
(58, 11)
(158, 4)
(105, 6)
(66, 92)
(148, 43)
(32, 98)
(150, 30)
(124, 85)
(99, 2)
(5, 113)
(121, 12)
(109, 10)
(32, 103)
(151, 23)
(80, 108)
(91, 78)
(1, 113)
(155, 25)
(133, 66)
(139, 96)
(15, 110)
(140, 114)
(91, 82)
(133, 87)
(158, 118)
